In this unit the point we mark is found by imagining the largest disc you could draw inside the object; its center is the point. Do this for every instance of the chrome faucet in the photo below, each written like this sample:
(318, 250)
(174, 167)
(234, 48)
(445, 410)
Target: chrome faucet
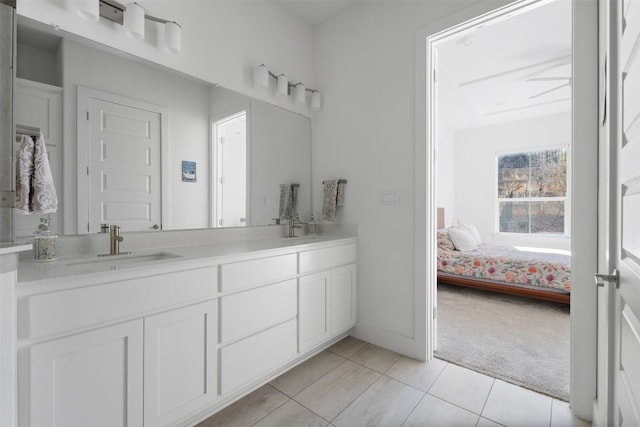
(292, 227)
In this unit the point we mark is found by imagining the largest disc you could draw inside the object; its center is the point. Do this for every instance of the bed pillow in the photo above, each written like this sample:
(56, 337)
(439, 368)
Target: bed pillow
(471, 229)
(462, 239)
(444, 241)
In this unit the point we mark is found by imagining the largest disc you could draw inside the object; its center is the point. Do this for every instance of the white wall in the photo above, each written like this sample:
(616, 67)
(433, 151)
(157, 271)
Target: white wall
(222, 40)
(475, 171)
(446, 178)
(366, 132)
(38, 65)
(187, 102)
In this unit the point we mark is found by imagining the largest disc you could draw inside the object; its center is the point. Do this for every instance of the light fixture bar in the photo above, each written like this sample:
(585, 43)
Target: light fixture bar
(292, 85)
(114, 11)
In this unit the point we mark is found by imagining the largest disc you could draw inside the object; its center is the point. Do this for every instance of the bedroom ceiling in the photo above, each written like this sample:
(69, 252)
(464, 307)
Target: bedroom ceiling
(516, 69)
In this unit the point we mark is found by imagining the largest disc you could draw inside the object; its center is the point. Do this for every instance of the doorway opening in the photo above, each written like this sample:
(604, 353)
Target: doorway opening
(500, 114)
(230, 171)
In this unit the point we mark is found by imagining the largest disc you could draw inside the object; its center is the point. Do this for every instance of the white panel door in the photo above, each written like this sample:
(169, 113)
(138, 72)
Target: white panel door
(343, 298)
(314, 296)
(626, 179)
(89, 379)
(124, 166)
(180, 363)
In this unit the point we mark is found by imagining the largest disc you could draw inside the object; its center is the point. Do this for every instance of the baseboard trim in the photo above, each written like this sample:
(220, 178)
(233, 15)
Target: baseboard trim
(386, 339)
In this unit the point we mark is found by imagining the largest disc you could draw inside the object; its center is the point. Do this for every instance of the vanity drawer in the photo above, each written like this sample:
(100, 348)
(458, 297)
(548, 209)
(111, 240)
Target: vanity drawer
(248, 312)
(248, 360)
(324, 259)
(57, 312)
(247, 274)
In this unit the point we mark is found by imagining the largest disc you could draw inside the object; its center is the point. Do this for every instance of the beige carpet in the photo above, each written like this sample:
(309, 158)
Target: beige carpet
(519, 340)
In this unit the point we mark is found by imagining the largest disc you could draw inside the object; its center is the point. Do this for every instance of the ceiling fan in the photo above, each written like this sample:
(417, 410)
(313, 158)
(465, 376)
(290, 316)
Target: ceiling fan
(567, 83)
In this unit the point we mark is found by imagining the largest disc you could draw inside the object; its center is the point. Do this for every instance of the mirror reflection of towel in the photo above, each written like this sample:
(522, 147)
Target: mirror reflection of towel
(35, 192)
(340, 195)
(329, 200)
(286, 202)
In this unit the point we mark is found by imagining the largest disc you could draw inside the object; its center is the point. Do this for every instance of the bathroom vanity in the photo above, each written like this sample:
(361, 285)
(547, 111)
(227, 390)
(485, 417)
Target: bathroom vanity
(171, 336)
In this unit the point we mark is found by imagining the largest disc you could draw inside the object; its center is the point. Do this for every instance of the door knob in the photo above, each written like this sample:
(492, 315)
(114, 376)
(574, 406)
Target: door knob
(601, 279)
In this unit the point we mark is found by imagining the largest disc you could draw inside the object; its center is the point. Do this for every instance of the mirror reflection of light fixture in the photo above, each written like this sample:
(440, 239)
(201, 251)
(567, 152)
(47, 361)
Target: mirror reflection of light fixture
(173, 37)
(89, 9)
(283, 85)
(133, 17)
(316, 100)
(134, 20)
(299, 91)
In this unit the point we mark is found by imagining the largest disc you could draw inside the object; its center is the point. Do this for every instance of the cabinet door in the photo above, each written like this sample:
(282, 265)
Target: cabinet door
(313, 316)
(179, 363)
(89, 379)
(343, 298)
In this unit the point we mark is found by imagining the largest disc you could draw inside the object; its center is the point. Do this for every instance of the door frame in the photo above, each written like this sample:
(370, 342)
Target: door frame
(246, 107)
(82, 149)
(584, 186)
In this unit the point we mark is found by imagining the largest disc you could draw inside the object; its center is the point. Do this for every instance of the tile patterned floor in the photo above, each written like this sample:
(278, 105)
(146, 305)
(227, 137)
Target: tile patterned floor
(358, 384)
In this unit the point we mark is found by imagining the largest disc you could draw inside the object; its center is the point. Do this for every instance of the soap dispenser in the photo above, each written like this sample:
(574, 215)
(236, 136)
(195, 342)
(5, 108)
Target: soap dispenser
(312, 225)
(45, 243)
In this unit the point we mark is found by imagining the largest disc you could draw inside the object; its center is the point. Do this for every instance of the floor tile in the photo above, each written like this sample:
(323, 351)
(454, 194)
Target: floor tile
(511, 405)
(292, 414)
(247, 410)
(305, 374)
(483, 422)
(347, 347)
(376, 358)
(335, 391)
(386, 403)
(462, 387)
(432, 411)
(561, 416)
(420, 375)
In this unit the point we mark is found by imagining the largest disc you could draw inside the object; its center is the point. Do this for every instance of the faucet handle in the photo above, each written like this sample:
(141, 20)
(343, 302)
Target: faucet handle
(104, 228)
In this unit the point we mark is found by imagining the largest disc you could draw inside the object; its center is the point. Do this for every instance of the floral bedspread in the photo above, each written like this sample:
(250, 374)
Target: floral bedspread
(508, 264)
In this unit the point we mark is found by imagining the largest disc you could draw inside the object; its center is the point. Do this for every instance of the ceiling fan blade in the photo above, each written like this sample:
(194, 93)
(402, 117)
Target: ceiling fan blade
(549, 91)
(547, 79)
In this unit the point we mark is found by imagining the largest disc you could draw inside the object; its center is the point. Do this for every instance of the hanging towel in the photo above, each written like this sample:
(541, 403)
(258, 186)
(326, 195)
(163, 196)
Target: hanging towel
(340, 195)
(329, 198)
(286, 202)
(35, 192)
(24, 174)
(294, 200)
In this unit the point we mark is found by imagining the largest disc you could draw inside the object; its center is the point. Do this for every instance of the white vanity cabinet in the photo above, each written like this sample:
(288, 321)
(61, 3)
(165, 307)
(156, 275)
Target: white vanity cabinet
(180, 363)
(89, 379)
(165, 346)
(327, 298)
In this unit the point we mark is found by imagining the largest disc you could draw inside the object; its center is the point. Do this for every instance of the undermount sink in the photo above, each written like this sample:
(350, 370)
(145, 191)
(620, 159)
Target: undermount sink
(115, 262)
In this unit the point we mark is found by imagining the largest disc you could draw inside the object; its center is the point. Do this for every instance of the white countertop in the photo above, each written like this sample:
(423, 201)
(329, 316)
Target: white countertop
(78, 271)
(11, 248)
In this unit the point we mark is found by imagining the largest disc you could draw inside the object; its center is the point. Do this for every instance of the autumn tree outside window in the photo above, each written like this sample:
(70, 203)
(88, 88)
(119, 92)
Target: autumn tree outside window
(532, 191)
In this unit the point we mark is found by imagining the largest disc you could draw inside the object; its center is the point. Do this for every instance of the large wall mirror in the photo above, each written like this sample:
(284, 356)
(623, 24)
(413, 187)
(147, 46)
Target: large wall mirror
(133, 143)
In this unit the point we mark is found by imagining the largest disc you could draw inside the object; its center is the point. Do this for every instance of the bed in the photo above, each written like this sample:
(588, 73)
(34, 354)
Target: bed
(505, 269)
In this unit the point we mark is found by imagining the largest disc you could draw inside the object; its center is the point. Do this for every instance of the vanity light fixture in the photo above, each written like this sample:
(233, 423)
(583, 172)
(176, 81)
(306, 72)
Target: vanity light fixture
(133, 17)
(299, 91)
(316, 100)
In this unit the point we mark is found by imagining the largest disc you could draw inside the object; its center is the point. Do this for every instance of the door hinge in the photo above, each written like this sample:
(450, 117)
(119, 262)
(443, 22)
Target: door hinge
(221, 140)
(222, 180)
(87, 115)
(88, 227)
(434, 75)
(87, 170)
(221, 222)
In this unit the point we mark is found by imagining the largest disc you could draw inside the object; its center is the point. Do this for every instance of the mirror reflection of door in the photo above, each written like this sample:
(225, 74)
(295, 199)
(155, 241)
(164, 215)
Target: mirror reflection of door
(230, 171)
(124, 165)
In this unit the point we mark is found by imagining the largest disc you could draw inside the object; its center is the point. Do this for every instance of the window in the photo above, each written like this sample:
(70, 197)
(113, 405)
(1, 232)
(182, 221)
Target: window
(532, 191)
